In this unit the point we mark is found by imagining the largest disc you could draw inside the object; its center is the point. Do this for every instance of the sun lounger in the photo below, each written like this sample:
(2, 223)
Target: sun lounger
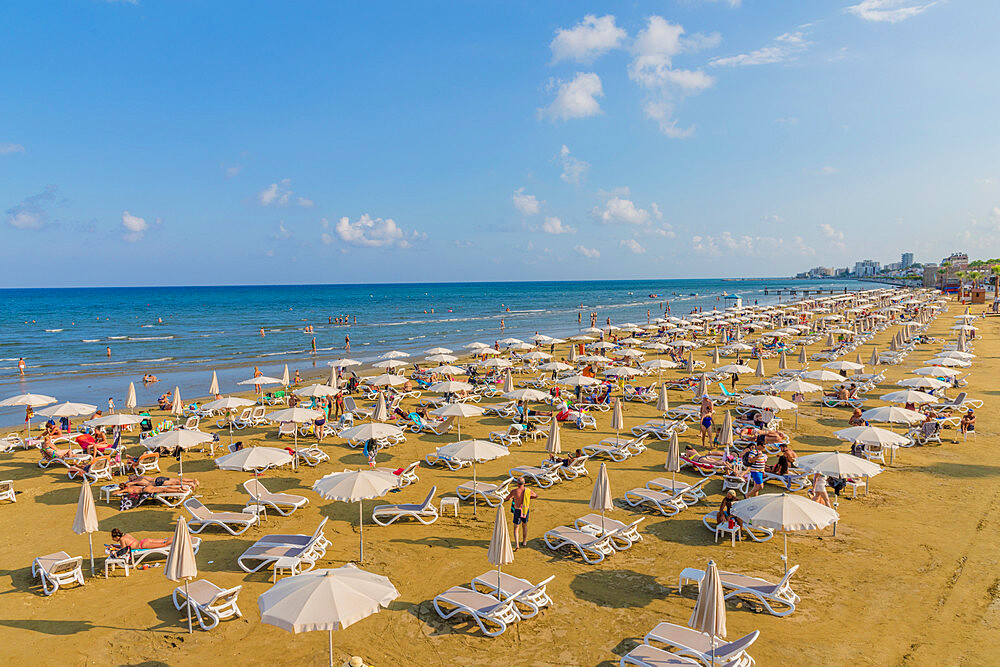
(623, 535)
(135, 557)
(704, 465)
(667, 504)
(531, 596)
(282, 503)
(614, 452)
(262, 554)
(487, 611)
(690, 493)
(353, 408)
(512, 436)
(58, 569)
(650, 656)
(317, 543)
(491, 494)
(234, 523)
(312, 456)
(409, 474)
(684, 413)
(754, 533)
(698, 645)
(7, 491)
(209, 603)
(543, 477)
(578, 468)
(777, 599)
(424, 512)
(502, 409)
(100, 468)
(10, 442)
(70, 460)
(433, 459)
(591, 548)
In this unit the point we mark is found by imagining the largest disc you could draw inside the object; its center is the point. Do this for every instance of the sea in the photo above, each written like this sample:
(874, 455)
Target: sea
(182, 334)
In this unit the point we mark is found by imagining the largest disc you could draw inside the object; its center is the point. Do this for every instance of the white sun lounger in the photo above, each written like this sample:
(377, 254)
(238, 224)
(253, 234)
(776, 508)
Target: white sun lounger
(210, 603)
(667, 504)
(234, 523)
(312, 456)
(756, 534)
(7, 491)
(433, 459)
(623, 535)
(58, 569)
(543, 477)
(690, 493)
(485, 610)
(282, 503)
(591, 548)
(260, 555)
(698, 645)
(135, 557)
(317, 542)
(409, 474)
(778, 599)
(650, 656)
(613, 452)
(578, 468)
(424, 512)
(531, 596)
(492, 494)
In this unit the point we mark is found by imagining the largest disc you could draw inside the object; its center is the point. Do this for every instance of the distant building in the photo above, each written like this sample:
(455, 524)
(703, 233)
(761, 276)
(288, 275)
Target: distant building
(906, 260)
(930, 276)
(959, 261)
(842, 272)
(866, 267)
(820, 272)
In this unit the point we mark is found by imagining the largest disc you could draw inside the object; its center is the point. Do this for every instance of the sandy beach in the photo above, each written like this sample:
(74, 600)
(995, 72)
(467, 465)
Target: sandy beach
(909, 579)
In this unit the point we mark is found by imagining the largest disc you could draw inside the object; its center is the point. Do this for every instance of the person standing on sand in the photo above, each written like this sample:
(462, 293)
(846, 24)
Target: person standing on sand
(21, 366)
(521, 497)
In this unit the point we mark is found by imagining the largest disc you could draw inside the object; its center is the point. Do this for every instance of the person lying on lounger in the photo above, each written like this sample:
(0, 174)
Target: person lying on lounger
(144, 484)
(127, 540)
(52, 452)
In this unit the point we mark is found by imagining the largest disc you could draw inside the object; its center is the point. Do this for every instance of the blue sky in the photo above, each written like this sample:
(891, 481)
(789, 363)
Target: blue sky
(174, 142)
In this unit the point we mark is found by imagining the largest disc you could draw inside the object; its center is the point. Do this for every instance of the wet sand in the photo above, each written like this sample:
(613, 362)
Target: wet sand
(910, 579)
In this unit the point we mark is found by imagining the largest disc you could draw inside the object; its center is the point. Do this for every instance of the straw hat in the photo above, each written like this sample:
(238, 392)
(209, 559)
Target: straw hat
(355, 661)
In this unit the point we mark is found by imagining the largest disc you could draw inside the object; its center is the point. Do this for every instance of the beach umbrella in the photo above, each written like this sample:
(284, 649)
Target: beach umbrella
(843, 366)
(370, 431)
(473, 451)
(459, 411)
(325, 599)
(181, 565)
(499, 552)
(617, 421)
(67, 410)
(908, 396)
(831, 341)
(497, 363)
(784, 512)
(285, 381)
(838, 464)
(27, 401)
(579, 381)
(797, 386)
(802, 355)
(734, 368)
(334, 378)
(955, 354)
(552, 443)
(438, 350)
(176, 408)
(316, 391)
(381, 412)
(254, 459)
(873, 360)
(130, 399)
(86, 518)
(871, 435)
(760, 368)
(949, 362)
(690, 362)
(933, 371)
(702, 389)
(213, 387)
(394, 354)
(924, 383)
(572, 354)
(389, 364)
(555, 366)
(114, 420)
(600, 497)
(344, 363)
(772, 403)
(295, 415)
(178, 438)
(228, 404)
(823, 376)
(726, 431)
(709, 615)
(355, 486)
(260, 381)
(526, 394)
(715, 356)
(783, 362)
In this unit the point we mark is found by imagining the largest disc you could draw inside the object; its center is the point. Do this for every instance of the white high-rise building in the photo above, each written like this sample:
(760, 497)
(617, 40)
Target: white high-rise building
(866, 267)
(906, 260)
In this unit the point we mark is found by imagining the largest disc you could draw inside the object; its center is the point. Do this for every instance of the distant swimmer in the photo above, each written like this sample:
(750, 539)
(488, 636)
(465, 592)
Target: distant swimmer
(109, 352)
(314, 345)
(21, 366)
(149, 377)
(159, 320)
(502, 325)
(262, 332)
(347, 343)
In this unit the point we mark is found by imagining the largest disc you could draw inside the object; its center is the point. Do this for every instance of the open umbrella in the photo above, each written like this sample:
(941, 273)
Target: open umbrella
(892, 414)
(67, 410)
(473, 451)
(325, 599)
(27, 401)
(600, 497)
(500, 553)
(228, 404)
(784, 512)
(86, 518)
(180, 563)
(709, 615)
(908, 396)
(179, 438)
(295, 415)
(458, 411)
(254, 459)
(353, 486)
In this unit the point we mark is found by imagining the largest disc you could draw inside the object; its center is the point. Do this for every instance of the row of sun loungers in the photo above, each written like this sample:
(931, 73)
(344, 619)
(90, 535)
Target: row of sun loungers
(494, 601)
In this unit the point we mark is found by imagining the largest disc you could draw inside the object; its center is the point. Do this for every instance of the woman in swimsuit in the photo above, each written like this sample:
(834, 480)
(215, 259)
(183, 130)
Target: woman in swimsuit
(706, 412)
(126, 540)
(725, 512)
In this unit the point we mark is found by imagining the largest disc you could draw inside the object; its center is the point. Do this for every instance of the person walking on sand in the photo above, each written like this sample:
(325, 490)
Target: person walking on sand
(520, 507)
(21, 366)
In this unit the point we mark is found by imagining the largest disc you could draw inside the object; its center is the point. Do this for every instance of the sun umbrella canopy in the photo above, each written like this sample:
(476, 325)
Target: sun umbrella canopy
(371, 430)
(263, 379)
(838, 464)
(929, 383)
(823, 376)
(393, 363)
(119, 419)
(734, 368)
(447, 370)
(798, 386)
(773, 403)
(178, 437)
(843, 366)
(295, 415)
(871, 435)
(579, 381)
(908, 396)
(556, 366)
(344, 363)
(254, 458)
(783, 511)
(473, 450)
(892, 414)
(526, 395)
(316, 391)
(27, 400)
(386, 379)
(458, 410)
(451, 387)
(67, 410)
(228, 403)
(354, 485)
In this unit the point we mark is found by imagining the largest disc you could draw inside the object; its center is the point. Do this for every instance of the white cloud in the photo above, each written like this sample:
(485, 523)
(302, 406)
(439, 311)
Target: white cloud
(233, 171)
(827, 171)
(619, 210)
(590, 38)
(834, 237)
(370, 232)
(276, 193)
(750, 246)
(666, 231)
(889, 11)
(305, 203)
(574, 170)
(782, 48)
(133, 227)
(326, 238)
(772, 217)
(554, 225)
(788, 120)
(526, 204)
(576, 98)
(662, 112)
(632, 246)
(8, 149)
(283, 232)
(33, 211)
(592, 253)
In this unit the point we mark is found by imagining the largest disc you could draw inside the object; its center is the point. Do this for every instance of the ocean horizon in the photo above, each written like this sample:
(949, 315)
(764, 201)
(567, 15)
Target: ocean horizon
(182, 333)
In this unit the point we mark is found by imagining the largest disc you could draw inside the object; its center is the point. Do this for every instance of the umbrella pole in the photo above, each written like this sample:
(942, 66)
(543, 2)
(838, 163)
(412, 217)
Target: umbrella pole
(188, 598)
(361, 533)
(331, 647)
(90, 537)
(295, 460)
(784, 556)
(475, 486)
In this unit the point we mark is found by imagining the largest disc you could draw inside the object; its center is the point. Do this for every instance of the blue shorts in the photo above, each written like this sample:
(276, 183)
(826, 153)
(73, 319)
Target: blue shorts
(520, 517)
(757, 477)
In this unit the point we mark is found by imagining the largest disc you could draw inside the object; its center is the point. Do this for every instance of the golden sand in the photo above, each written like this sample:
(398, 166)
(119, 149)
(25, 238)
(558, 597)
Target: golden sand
(911, 577)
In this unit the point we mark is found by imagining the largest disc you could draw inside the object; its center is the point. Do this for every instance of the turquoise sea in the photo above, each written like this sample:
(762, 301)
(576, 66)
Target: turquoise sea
(182, 334)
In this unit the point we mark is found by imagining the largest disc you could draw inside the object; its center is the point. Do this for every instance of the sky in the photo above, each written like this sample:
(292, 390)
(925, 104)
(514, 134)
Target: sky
(172, 142)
